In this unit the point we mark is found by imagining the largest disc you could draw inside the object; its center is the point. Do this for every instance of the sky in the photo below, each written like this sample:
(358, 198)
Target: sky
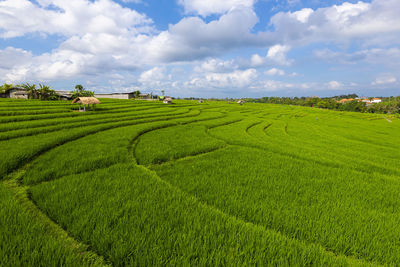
(204, 48)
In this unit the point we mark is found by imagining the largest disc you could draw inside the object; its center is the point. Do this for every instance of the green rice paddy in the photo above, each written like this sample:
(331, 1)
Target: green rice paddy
(140, 183)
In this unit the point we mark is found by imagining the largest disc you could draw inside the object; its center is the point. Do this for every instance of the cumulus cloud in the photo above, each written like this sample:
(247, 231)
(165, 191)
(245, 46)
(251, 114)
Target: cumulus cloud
(67, 18)
(385, 80)
(275, 71)
(373, 22)
(11, 57)
(208, 7)
(235, 79)
(156, 73)
(217, 65)
(334, 84)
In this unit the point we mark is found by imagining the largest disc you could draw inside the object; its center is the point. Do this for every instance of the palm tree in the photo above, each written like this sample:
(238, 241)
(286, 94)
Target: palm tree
(32, 91)
(80, 91)
(44, 91)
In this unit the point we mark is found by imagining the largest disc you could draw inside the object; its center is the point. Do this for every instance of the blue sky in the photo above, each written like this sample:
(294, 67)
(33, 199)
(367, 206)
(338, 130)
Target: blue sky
(204, 48)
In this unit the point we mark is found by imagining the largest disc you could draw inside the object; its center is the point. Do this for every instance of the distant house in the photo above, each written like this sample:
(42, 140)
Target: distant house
(145, 96)
(371, 101)
(64, 95)
(241, 102)
(16, 92)
(346, 100)
(116, 95)
(367, 101)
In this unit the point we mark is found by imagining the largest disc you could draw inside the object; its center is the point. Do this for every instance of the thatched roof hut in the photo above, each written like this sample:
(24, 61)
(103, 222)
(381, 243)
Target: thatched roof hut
(167, 100)
(86, 100)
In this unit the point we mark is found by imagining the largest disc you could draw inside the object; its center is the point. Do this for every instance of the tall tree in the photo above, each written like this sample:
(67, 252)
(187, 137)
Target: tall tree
(81, 91)
(44, 91)
(32, 91)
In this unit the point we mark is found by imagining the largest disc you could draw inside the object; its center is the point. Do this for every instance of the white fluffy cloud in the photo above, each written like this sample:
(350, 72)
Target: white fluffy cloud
(68, 18)
(235, 79)
(217, 65)
(334, 84)
(375, 22)
(385, 79)
(275, 71)
(208, 7)
(11, 57)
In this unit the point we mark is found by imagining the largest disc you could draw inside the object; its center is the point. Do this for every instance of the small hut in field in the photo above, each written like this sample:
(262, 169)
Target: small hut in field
(167, 100)
(86, 101)
(241, 102)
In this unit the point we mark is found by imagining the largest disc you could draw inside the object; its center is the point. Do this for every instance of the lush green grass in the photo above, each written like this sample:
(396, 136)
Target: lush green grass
(28, 239)
(142, 183)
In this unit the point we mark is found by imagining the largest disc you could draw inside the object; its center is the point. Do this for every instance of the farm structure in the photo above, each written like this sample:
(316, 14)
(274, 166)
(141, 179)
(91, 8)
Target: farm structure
(86, 101)
(116, 95)
(167, 100)
(364, 100)
(16, 92)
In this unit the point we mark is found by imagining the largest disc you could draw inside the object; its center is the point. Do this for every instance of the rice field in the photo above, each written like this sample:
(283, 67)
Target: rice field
(139, 183)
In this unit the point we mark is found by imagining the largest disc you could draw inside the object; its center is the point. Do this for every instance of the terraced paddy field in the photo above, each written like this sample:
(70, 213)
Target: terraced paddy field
(148, 184)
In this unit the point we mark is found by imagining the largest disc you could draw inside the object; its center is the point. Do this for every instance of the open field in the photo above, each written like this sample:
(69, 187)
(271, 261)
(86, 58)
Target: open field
(144, 183)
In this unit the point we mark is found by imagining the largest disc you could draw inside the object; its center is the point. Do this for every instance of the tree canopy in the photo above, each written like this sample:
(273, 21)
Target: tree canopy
(81, 91)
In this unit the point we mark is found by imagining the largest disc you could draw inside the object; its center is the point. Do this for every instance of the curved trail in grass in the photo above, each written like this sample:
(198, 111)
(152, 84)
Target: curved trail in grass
(295, 156)
(350, 258)
(22, 194)
(91, 131)
(21, 191)
(14, 184)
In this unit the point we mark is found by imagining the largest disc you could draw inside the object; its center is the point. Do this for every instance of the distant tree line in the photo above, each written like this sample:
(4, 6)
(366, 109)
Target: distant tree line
(44, 92)
(389, 105)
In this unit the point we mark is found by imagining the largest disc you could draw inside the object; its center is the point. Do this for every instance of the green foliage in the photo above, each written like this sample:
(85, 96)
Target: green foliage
(5, 87)
(80, 91)
(390, 105)
(43, 93)
(32, 91)
(25, 238)
(136, 93)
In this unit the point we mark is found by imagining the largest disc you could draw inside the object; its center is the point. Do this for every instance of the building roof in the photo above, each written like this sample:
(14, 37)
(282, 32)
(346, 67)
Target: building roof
(346, 100)
(17, 89)
(86, 100)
